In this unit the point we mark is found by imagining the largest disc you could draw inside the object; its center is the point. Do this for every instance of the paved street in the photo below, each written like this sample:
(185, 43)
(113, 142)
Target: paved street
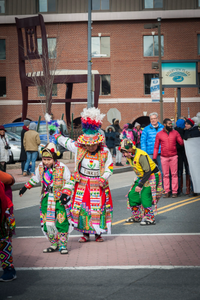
(150, 262)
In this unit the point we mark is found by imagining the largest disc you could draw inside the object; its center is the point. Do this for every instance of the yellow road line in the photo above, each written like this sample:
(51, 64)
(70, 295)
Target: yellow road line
(179, 206)
(161, 208)
(172, 204)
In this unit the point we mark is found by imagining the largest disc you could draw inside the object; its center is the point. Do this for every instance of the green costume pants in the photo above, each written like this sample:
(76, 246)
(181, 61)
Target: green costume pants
(144, 198)
(61, 223)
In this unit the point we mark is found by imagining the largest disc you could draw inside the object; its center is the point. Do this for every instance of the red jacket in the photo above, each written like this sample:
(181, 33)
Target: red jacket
(167, 142)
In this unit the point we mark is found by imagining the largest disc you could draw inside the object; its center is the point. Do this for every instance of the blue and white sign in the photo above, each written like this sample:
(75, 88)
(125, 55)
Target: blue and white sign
(179, 73)
(155, 89)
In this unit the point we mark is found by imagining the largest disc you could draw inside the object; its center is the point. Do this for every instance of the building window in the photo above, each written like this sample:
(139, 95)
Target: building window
(100, 4)
(2, 6)
(147, 82)
(198, 3)
(104, 85)
(153, 4)
(198, 42)
(101, 46)
(2, 86)
(47, 5)
(51, 43)
(42, 93)
(150, 45)
(199, 83)
(2, 49)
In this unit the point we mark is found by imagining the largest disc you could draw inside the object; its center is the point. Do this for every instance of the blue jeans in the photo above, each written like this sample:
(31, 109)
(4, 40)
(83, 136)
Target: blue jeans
(31, 157)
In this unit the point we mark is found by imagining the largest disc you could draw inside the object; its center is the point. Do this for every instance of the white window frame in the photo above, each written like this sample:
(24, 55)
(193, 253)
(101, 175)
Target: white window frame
(153, 37)
(51, 54)
(99, 46)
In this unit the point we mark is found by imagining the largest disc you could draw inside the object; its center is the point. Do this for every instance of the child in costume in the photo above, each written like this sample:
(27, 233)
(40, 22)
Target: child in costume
(7, 228)
(55, 198)
(92, 203)
(147, 188)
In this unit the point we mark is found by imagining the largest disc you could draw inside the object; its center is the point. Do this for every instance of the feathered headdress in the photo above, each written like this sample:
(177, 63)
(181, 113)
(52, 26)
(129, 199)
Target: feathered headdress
(91, 120)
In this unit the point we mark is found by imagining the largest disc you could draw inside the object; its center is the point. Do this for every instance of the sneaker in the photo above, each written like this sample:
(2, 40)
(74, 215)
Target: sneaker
(120, 164)
(117, 164)
(147, 222)
(9, 274)
(25, 174)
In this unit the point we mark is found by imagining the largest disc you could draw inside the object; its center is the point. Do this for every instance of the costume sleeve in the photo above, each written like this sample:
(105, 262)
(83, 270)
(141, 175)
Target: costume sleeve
(143, 140)
(108, 168)
(69, 182)
(34, 179)
(143, 160)
(66, 142)
(156, 147)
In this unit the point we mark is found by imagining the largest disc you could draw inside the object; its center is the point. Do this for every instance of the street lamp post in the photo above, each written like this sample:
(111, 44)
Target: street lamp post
(151, 26)
(89, 77)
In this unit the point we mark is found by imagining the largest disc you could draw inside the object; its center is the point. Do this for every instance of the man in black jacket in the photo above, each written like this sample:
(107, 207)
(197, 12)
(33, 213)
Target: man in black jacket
(23, 152)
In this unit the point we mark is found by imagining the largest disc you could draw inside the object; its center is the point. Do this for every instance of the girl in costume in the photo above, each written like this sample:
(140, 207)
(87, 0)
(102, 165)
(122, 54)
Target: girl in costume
(147, 188)
(7, 228)
(92, 203)
(55, 198)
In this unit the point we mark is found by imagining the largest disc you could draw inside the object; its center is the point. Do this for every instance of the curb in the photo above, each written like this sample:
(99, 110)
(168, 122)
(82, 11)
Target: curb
(19, 185)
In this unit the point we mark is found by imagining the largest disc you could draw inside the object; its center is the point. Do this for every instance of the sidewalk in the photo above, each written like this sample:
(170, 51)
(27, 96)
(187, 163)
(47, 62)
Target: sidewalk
(20, 180)
(118, 251)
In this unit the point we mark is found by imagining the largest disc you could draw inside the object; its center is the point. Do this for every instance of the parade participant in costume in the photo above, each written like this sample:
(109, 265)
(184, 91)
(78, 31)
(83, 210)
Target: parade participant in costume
(55, 198)
(147, 188)
(92, 203)
(7, 228)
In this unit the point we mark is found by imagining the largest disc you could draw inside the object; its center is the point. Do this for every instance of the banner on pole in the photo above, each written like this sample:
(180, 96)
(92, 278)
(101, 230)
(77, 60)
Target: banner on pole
(155, 89)
(192, 147)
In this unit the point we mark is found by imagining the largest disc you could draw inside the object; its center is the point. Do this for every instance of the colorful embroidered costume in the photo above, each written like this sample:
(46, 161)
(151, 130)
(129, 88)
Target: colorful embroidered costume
(7, 227)
(148, 180)
(55, 217)
(92, 203)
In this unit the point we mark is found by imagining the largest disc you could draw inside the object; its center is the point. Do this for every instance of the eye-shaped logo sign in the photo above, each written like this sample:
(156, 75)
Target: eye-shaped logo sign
(178, 76)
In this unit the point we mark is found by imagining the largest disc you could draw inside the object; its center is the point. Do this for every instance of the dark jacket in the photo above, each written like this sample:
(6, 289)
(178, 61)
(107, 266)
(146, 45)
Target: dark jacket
(116, 126)
(23, 152)
(180, 149)
(192, 132)
(110, 137)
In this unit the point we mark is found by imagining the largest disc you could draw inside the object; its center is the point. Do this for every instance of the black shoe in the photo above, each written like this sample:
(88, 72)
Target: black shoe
(117, 164)
(120, 164)
(9, 274)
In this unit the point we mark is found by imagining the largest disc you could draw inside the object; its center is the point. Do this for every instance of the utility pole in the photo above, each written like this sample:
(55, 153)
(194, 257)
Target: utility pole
(150, 26)
(89, 77)
(160, 70)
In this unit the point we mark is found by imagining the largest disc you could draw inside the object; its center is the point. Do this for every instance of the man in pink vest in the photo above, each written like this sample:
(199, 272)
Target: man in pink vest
(168, 138)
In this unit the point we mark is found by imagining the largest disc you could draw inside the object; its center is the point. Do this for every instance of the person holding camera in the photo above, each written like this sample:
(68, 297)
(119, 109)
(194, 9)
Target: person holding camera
(4, 149)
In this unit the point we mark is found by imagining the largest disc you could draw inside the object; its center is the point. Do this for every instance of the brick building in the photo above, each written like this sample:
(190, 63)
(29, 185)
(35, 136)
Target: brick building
(123, 52)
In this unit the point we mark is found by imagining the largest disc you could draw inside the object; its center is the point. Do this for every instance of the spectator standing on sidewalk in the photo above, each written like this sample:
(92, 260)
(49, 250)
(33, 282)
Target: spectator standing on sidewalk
(168, 138)
(116, 151)
(182, 160)
(128, 133)
(137, 129)
(110, 138)
(4, 149)
(23, 152)
(31, 142)
(148, 137)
